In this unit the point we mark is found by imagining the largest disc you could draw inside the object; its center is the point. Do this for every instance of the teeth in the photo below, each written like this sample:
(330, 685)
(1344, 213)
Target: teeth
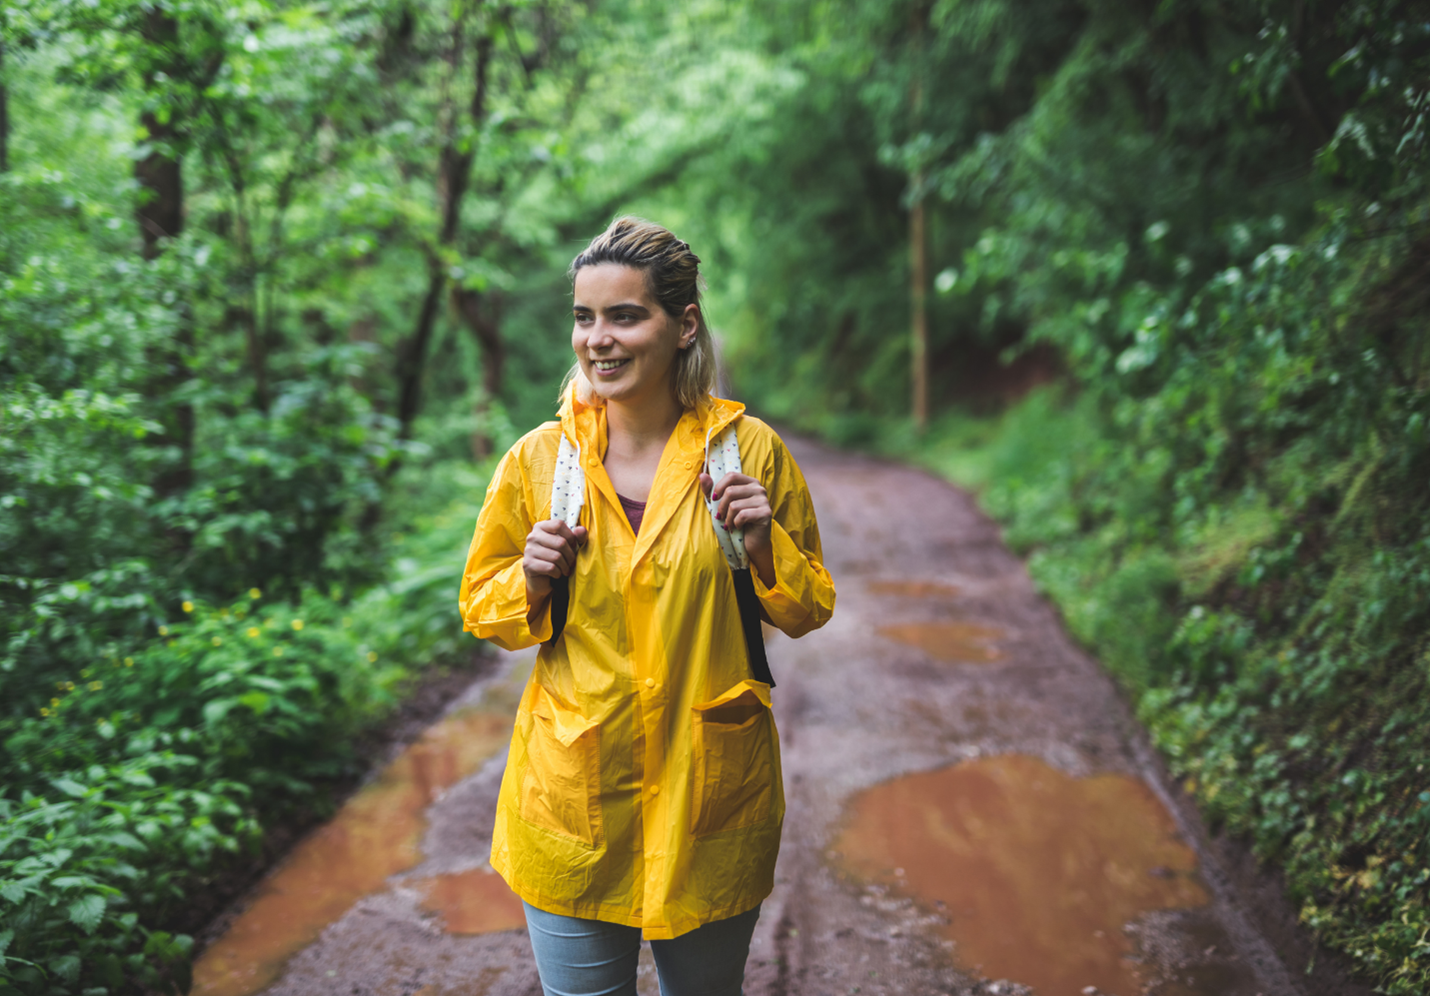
(607, 364)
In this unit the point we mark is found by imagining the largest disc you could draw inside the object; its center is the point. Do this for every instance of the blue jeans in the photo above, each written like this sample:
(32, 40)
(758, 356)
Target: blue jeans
(577, 957)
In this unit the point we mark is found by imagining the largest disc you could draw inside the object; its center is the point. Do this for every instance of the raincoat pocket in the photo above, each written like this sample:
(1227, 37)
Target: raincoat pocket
(561, 787)
(734, 769)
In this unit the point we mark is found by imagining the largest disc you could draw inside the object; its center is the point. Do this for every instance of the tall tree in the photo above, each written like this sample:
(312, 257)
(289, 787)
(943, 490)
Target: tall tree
(160, 206)
(159, 210)
(4, 108)
(918, 236)
(454, 170)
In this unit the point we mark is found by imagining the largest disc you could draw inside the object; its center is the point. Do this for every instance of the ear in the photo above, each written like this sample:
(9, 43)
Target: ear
(689, 325)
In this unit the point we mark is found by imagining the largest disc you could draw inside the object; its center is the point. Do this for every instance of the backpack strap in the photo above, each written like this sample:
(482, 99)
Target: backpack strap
(721, 458)
(568, 494)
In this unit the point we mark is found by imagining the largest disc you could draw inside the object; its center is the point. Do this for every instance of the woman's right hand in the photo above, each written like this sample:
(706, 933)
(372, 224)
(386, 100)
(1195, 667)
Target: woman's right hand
(550, 553)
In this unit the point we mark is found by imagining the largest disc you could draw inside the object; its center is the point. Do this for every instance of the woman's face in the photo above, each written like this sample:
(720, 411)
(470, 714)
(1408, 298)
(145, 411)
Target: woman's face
(623, 339)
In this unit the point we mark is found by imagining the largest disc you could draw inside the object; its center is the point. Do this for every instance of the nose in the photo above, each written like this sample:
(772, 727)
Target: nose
(599, 336)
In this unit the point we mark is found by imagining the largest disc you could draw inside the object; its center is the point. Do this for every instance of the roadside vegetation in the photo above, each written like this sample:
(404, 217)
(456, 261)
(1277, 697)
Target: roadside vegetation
(1200, 235)
(278, 279)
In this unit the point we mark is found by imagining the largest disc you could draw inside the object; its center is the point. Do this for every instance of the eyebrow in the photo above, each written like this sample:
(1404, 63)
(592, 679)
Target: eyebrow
(624, 306)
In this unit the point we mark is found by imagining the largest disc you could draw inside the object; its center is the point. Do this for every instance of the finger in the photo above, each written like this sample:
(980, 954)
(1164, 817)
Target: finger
(574, 536)
(748, 489)
(541, 566)
(729, 479)
(546, 541)
(747, 511)
(707, 483)
(727, 491)
(558, 562)
(756, 516)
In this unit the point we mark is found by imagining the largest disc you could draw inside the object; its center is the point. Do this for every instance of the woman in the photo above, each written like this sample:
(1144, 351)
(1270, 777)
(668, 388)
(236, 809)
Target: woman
(642, 791)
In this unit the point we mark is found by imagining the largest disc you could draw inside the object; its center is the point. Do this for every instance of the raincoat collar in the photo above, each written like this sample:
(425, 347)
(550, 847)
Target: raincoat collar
(680, 464)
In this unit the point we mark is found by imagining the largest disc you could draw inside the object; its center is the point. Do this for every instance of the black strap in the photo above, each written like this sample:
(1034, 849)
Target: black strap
(560, 604)
(749, 604)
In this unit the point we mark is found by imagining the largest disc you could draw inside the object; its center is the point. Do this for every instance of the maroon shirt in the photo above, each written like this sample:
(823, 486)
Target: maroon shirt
(635, 511)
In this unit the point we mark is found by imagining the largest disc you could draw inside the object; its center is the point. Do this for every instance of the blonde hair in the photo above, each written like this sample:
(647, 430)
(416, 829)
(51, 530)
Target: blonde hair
(672, 274)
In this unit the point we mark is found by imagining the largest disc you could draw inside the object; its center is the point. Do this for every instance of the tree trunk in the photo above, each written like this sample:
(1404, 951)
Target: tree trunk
(918, 298)
(918, 242)
(482, 315)
(454, 170)
(161, 189)
(160, 213)
(4, 115)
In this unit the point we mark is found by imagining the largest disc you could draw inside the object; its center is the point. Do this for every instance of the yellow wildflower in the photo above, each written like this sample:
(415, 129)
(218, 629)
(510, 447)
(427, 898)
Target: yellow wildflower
(84, 673)
(297, 624)
(253, 632)
(218, 642)
(44, 711)
(371, 656)
(69, 686)
(95, 686)
(163, 630)
(129, 662)
(54, 702)
(60, 685)
(188, 606)
(277, 651)
(254, 593)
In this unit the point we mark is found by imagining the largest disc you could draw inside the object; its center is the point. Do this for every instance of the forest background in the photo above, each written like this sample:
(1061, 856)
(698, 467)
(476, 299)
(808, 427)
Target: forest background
(278, 278)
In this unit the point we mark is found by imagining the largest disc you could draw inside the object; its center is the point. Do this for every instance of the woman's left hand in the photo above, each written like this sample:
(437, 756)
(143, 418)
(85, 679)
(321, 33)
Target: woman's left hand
(741, 502)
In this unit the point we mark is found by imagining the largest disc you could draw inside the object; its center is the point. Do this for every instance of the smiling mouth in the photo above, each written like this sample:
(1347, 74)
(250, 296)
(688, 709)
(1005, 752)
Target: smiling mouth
(607, 366)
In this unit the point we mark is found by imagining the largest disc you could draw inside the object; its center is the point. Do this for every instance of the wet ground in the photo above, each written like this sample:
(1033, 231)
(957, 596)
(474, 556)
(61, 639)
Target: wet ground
(971, 809)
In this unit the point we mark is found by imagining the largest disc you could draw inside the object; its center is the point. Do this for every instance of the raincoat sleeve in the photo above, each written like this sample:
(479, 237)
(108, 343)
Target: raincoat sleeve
(802, 598)
(493, 596)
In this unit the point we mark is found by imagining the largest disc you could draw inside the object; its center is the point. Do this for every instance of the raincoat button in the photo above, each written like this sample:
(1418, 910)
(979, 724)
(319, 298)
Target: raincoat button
(650, 682)
(655, 790)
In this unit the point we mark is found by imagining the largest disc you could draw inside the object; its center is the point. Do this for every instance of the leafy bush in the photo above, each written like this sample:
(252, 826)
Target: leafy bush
(136, 777)
(1237, 524)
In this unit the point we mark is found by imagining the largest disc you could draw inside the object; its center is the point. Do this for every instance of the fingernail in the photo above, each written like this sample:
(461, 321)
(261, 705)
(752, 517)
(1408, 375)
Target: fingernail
(715, 495)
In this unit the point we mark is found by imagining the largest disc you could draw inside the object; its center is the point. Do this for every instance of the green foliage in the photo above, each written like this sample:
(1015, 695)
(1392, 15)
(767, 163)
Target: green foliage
(1206, 221)
(155, 716)
(140, 773)
(1215, 217)
(1237, 524)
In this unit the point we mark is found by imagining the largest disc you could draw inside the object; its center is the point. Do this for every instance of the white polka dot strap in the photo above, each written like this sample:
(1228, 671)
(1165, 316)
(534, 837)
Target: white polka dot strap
(720, 459)
(568, 487)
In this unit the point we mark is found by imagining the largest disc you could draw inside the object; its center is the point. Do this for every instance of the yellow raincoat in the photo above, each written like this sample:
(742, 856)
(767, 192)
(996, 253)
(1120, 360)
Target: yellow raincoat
(643, 785)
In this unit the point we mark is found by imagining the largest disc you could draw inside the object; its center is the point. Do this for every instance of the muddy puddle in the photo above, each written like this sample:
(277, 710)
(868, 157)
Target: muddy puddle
(949, 641)
(913, 589)
(376, 834)
(1033, 871)
(472, 902)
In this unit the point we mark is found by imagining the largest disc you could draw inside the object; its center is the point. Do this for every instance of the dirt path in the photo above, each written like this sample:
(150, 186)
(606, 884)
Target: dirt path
(969, 802)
